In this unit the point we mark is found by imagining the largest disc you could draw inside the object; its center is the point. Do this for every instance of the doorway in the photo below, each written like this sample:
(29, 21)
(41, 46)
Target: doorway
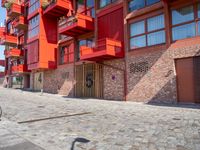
(89, 81)
(188, 79)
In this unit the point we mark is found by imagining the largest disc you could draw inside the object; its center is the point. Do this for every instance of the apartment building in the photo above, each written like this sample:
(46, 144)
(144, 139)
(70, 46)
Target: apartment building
(132, 50)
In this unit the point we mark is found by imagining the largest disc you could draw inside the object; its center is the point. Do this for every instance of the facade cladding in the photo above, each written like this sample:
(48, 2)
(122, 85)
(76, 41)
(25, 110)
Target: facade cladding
(132, 50)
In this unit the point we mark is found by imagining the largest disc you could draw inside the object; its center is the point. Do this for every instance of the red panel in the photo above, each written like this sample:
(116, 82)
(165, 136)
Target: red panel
(111, 25)
(2, 62)
(33, 52)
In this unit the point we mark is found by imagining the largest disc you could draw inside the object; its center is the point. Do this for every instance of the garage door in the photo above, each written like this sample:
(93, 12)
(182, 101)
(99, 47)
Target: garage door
(188, 74)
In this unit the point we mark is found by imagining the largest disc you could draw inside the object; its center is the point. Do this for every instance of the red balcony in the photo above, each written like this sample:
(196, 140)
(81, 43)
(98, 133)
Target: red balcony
(105, 49)
(76, 25)
(58, 8)
(14, 10)
(21, 68)
(2, 63)
(13, 53)
(10, 40)
(20, 23)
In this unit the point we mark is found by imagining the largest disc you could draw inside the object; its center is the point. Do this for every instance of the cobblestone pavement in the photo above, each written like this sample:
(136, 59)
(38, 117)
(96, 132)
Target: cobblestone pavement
(87, 124)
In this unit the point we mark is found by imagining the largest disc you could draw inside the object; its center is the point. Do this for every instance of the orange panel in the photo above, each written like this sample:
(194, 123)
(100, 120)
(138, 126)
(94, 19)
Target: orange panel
(15, 10)
(105, 49)
(76, 25)
(13, 53)
(58, 8)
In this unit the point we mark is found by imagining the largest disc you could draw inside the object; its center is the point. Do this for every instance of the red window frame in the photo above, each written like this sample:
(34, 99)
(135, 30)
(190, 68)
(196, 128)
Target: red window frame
(86, 9)
(195, 20)
(67, 53)
(146, 32)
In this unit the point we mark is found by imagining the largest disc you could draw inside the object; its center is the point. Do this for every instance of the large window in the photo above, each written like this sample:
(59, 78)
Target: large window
(104, 3)
(86, 7)
(184, 23)
(33, 27)
(34, 4)
(147, 32)
(137, 4)
(66, 55)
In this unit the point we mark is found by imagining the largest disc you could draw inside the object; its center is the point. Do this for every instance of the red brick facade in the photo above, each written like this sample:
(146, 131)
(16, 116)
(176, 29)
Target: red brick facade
(140, 74)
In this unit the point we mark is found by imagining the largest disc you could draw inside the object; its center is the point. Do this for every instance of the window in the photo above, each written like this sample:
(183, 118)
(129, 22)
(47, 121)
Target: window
(104, 3)
(147, 32)
(66, 54)
(33, 27)
(184, 23)
(87, 42)
(137, 4)
(34, 5)
(86, 7)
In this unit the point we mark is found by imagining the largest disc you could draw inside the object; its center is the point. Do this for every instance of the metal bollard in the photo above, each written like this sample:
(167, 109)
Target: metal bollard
(0, 112)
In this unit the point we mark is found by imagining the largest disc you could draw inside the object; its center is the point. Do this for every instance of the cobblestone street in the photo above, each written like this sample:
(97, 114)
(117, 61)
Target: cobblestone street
(53, 122)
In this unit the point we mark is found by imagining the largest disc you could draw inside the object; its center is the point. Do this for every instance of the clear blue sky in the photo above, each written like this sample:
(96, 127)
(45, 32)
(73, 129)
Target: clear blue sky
(2, 17)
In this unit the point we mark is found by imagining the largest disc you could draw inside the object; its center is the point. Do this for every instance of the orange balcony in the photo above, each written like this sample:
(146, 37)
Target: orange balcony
(105, 49)
(20, 23)
(13, 53)
(2, 32)
(21, 68)
(58, 8)
(76, 25)
(6, 3)
(7, 39)
(2, 63)
(14, 10)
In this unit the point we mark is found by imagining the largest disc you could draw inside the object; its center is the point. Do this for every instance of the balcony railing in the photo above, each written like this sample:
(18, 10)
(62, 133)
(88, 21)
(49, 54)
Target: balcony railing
(76, 25)
(57, 8)
(7, 3)
(104, 50)
(14, 10)
(2, 63)
(8, 39)
(20, 23)
(14, 52)
(21, 68)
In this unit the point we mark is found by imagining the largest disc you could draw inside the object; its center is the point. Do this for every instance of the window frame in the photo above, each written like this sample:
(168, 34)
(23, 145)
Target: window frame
(195, 20)
(31, 5)
(145, 5)
(146, 32)
(66, 54)
(111, 1)
(34, 27)
(86, 9)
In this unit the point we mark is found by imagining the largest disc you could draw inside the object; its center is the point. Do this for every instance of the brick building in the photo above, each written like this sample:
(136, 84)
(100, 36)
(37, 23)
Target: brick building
(134, 50)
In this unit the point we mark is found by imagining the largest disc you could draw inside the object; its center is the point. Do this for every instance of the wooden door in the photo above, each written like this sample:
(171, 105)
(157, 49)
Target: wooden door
(38, 81)
(89, 81)
(185, 80)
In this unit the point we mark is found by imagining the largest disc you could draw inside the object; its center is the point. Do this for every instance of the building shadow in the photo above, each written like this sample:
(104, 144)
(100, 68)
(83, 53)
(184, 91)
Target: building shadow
(79, 140)
(165, 100)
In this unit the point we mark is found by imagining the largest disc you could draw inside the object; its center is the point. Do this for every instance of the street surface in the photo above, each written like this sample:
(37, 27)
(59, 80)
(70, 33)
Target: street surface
(35, 121)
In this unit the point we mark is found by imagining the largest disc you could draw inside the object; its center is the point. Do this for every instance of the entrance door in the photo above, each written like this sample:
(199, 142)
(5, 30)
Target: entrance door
(89, 81)
(38, 81)
(188, 83)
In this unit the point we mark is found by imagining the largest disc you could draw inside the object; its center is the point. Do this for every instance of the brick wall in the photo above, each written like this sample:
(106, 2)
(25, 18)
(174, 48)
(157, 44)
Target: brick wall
(60, 81)
(113, 80)
(152, 75)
